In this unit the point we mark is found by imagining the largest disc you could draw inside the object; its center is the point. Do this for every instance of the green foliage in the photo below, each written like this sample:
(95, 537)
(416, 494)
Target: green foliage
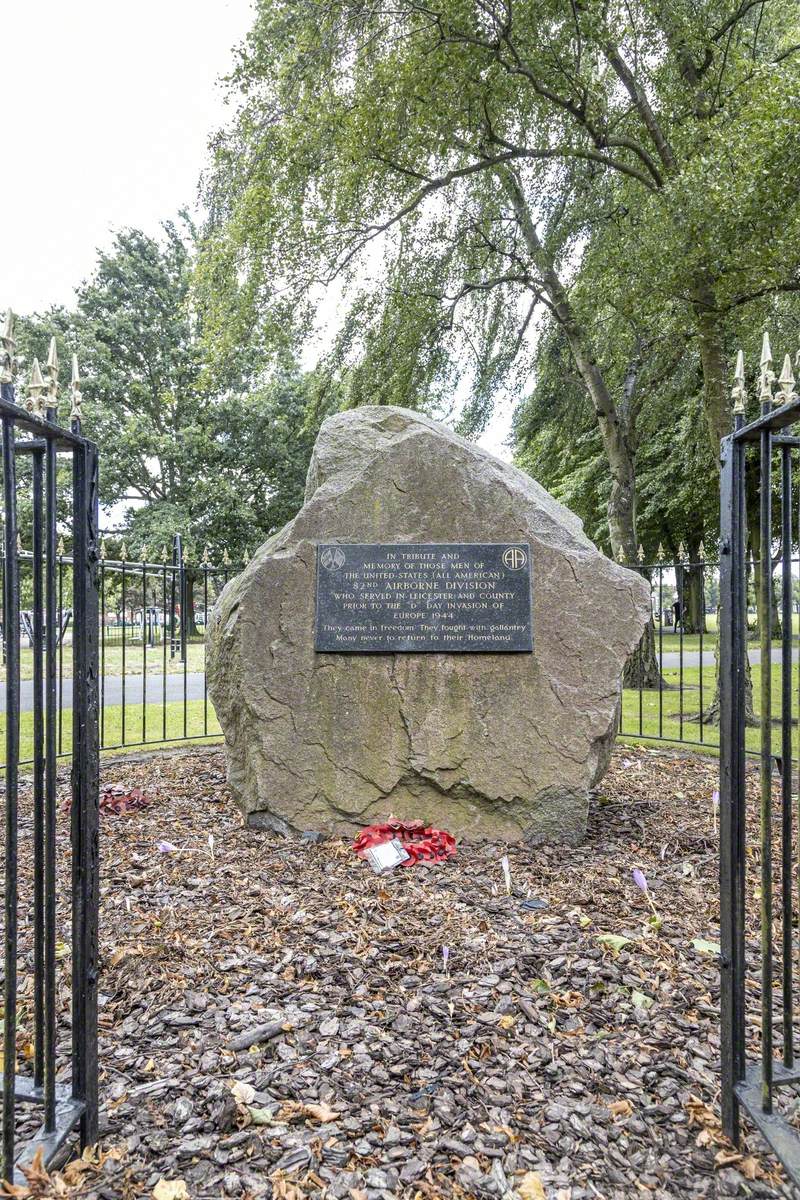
(370, 144)
(220, 458)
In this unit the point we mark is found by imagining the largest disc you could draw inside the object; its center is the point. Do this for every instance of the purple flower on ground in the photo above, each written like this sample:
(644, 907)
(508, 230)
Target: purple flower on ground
(446, 955)
(165, 847)
(639, 880)
(715, 798)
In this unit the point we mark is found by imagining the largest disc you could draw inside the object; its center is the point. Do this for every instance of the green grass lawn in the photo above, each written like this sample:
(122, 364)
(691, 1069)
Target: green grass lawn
(662, 717)
(137, 660)
(199, 723)
(654, 715)
(670, 642)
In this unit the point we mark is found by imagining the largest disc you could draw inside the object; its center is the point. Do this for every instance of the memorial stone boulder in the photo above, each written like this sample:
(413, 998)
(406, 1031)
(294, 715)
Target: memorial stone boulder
(433, 636)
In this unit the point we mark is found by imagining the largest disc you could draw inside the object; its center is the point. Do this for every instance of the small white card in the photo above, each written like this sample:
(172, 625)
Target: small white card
(387, 856)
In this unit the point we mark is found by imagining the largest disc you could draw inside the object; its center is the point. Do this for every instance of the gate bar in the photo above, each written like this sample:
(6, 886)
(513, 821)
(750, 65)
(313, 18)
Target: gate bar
(786, 752)
(38, 775)
(732, 822)
(85, 790)
(11, 630)
(765, 639)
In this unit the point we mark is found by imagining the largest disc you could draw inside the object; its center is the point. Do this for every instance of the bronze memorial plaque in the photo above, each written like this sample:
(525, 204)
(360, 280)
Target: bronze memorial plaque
(460, 598)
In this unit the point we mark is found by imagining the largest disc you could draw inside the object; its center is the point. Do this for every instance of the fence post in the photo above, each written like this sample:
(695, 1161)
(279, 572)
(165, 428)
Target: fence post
(85, 790)
(731, 752)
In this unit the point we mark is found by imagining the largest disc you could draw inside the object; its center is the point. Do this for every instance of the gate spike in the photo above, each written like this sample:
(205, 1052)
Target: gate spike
(51, 371)
(164, 554)
(660, 552)
(61, 549)
(8, 362)
(123, 554)
(246, 555)
(205, 559)
(767, 374)
(226, 559)
(51, 367)
(701, 551)
(738, 392)
(19, 544)
(34, 404)
(103, 548)
(640, 553)
(681, 552)
(786, 382)
(76, 396)
(144, 553)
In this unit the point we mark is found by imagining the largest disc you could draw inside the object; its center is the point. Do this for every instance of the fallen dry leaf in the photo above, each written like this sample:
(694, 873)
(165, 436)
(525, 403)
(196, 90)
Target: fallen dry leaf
(243, 1093)
(171, 1189)
(531, 1186)
(750, 1167)
(293, 1110)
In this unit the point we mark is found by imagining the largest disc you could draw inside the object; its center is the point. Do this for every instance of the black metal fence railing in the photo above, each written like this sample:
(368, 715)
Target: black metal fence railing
(152, 617)
(61, 1086)
(683, 705)
(670, 688)
(676, 699)
(758, 830)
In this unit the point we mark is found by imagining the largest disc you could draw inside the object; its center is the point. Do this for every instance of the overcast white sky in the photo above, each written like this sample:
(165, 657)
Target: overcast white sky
(108, 108)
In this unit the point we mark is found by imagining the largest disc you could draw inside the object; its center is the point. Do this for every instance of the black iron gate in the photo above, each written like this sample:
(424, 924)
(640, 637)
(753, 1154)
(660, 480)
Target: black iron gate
(34, 448)
(760, 1076)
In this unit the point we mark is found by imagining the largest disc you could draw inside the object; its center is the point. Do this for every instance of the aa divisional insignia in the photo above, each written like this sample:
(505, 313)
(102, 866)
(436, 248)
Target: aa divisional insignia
(514, 558)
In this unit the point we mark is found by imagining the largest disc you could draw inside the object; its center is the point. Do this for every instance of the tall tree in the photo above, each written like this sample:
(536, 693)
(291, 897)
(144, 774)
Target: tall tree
(220, 459)
(450, 161)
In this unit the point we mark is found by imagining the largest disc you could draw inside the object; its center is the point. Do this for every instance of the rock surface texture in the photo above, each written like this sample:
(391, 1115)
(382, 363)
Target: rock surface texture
(486, 745)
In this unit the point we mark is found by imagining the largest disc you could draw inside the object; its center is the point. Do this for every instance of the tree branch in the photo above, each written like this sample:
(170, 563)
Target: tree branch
(642, 104)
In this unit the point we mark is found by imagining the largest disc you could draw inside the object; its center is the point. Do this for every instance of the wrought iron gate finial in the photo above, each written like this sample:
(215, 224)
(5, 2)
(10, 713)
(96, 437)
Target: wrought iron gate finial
(738, 391)
(786, 382)
(76, 396)
(767, 374)
(8, 361)
(51, 370)
(36, 389)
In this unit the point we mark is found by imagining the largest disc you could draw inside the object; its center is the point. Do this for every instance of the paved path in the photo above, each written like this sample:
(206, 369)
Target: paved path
(691, 658)
(113, 690)
(194, 681)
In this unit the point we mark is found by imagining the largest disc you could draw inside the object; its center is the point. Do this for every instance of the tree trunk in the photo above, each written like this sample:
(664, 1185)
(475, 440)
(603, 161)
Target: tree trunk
(188, 616)
(713, 359)
(718, 419)
(774, 615)
(642, 669)
(691, 590)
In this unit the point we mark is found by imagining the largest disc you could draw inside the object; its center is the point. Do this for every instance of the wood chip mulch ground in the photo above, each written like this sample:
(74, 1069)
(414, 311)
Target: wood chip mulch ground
(277, 1020)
